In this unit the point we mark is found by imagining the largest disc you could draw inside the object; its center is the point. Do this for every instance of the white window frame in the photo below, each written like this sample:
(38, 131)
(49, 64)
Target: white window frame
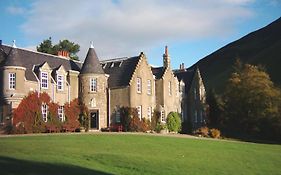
(93, 84)
(44, 111)
(44, 80)
(139, 112)
(170, 88)
(12, 81)
(60, 81)
(117, 116)
(162, 114)
(149, 87)
(61, 113)
(149, 113)
(138, 85)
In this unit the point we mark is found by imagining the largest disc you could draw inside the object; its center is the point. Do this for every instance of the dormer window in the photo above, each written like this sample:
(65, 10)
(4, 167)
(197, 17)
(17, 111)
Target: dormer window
(12, 81)
(60, 82)
(44, 80)
(93, 85)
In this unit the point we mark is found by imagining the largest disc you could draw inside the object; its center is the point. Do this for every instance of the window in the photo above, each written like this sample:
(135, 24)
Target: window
(138, 85)
(12, 80)
(60, 82)
(93, 85)
(149, 113)
(163, 116)
(195, 93)
(195, 116)
(139, 111)
(117, 115)
(44, 80)
(170, 88)
(61, 113)
(149, 87)
(44, 111)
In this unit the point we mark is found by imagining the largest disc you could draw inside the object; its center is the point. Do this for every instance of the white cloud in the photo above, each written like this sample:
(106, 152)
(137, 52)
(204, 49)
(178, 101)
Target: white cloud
(14, 10)
(126, 27)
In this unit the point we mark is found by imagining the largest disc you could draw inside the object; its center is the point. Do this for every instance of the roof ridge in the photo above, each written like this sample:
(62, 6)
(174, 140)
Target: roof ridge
(42, 53)
(116, 59)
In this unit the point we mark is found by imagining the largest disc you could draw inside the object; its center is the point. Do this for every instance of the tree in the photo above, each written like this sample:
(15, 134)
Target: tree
(215, 106)
(64, 45)
(252, 102)
(27, 117)
(174, 122)
(46, 47)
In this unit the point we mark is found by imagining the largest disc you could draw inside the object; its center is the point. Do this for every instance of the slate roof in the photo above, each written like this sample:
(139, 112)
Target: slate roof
(91, 63)
(120, 70)
(158, 72)
(13, 58)
(186, 75)
(28, 59)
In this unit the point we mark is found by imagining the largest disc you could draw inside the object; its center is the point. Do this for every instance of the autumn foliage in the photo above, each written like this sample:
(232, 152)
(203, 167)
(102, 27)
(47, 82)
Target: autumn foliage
(27, 118)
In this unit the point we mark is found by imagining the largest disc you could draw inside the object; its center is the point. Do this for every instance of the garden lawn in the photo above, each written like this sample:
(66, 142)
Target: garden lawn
(97, 153)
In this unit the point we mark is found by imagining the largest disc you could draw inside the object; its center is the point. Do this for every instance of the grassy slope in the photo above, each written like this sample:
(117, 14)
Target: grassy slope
(261, 47)
(134, 154)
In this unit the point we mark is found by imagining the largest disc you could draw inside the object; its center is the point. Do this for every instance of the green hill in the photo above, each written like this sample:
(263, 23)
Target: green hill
(261, 47)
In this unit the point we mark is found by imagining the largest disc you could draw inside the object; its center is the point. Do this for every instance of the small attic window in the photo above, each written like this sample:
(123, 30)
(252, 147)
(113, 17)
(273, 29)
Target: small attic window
(118, 64)
(104, 65)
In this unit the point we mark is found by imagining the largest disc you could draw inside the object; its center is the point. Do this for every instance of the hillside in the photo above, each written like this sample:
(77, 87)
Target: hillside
(261, 47)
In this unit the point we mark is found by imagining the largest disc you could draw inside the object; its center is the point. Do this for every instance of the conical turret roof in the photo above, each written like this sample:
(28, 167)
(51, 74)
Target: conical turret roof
(91, 63)
(13, 58)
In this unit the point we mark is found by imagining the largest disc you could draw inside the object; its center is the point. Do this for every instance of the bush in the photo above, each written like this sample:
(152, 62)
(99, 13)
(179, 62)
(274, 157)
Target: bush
(174, 122)
(160, 126)
(215, 133)
(203, 131)
(155, 120)
(72, 111)
(27, 116)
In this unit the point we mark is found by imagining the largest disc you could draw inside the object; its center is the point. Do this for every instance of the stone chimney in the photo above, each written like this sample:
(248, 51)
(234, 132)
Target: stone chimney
(166, 58)
(63, 53)
(181, 66)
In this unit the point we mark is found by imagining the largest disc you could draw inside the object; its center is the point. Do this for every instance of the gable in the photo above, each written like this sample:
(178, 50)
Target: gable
(120, 70)
(31, 60)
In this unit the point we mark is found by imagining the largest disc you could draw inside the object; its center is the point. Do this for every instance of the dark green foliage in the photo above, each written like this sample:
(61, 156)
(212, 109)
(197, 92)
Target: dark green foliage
(155, 119)
(174, 122)
(215, 109)
(47, 47)
(64, 45)
(252, 103)
(126, 115)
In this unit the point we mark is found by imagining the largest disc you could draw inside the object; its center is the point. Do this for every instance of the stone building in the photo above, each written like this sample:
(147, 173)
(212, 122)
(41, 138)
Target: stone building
(193, 102)
(167, 88)
(103, 86)
(131, 84)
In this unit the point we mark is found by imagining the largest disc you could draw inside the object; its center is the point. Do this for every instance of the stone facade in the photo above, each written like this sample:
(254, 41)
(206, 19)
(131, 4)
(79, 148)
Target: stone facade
(103, 86)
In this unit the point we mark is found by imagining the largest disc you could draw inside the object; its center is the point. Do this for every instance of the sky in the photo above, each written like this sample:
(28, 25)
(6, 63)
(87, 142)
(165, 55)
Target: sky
(192, 29)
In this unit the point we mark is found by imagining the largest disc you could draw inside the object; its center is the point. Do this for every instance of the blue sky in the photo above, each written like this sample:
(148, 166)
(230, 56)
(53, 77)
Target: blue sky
(191, 29)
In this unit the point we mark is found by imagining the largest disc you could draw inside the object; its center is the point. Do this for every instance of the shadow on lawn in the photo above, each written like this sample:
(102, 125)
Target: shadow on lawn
(11, 166)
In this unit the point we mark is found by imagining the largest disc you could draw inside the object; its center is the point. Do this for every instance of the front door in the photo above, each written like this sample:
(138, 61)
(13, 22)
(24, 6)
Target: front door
(94, 119)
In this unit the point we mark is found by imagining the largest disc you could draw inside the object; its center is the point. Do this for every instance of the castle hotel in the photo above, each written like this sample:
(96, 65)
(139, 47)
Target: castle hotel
(102, 85)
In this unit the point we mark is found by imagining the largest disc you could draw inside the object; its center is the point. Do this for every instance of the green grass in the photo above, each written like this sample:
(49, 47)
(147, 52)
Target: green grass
(134, 154)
